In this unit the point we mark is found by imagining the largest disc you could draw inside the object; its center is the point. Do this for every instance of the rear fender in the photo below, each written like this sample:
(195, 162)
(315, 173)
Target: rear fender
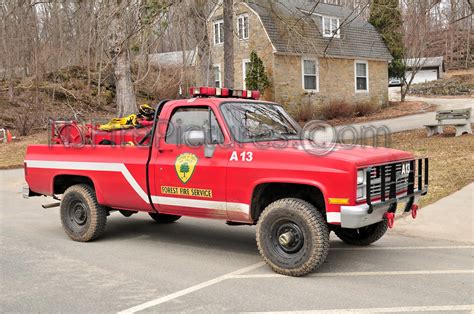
(62, 181)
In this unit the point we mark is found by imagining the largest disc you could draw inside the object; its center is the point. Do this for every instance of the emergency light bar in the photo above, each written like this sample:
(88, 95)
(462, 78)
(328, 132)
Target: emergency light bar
(223, 92)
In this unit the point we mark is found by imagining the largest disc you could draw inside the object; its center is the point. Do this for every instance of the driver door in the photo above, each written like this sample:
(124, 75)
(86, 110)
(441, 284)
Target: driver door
(187, 182)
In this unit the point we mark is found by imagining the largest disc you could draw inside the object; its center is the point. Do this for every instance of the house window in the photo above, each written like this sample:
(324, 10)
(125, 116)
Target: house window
(217, 75)
(219, 32)
(245, 69)
(331, 27)
(243, 26)
(361, 76)
(310, 74)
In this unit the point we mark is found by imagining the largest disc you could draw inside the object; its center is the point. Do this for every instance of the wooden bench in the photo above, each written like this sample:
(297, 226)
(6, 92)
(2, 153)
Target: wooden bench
(459, 118)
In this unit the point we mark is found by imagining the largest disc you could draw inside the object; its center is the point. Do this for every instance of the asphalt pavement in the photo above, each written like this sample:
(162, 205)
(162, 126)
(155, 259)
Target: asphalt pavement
(206, 266)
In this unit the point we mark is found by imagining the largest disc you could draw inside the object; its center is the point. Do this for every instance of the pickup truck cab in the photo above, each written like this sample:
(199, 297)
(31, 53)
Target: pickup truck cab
(240, 160)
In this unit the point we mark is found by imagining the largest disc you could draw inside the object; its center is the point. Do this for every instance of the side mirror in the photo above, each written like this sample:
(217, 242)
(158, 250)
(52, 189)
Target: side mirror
(194, 138)
(209, 151)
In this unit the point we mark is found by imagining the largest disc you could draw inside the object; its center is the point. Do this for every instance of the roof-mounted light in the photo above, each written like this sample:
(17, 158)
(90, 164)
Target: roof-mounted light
(223, 92)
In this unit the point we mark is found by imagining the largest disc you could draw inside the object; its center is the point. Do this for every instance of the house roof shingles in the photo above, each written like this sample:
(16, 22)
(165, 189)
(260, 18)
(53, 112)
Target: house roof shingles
(425, 62)
(294, 28)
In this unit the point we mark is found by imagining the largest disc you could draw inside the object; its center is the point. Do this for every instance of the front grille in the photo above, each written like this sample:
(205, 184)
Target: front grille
(376, 180)
(396, 182)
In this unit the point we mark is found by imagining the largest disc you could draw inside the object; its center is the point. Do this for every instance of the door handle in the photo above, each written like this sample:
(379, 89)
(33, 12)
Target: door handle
(165, 150)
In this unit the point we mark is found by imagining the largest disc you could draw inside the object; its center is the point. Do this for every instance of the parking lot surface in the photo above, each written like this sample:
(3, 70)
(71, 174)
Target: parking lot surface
(205, 266)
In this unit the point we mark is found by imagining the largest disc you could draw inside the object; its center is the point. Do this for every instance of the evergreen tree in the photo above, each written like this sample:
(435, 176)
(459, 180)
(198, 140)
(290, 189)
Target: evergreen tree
(386, 17)
(256, 78)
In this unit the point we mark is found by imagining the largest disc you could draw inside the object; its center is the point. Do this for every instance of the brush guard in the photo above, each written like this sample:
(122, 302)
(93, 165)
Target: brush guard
(417, 184)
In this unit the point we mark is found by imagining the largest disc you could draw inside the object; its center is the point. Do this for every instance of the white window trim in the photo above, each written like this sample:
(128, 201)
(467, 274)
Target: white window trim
(244, 74)
(303, 75)
(355, 76)
(338, 32)
(238, 25)
(220, 75)
(214, 32)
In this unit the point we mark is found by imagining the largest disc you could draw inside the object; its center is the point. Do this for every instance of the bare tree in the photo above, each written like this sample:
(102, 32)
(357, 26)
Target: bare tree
(118, 49)
(417, 38)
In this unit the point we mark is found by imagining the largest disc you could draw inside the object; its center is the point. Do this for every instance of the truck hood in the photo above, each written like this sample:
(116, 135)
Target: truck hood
(367, 155)
(357, 155)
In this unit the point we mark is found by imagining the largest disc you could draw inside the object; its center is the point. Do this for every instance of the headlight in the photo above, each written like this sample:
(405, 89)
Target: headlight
(360, 177)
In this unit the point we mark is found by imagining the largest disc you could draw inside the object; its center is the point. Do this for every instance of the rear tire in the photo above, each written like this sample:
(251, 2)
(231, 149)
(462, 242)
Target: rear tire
(292, 237)
(164, 218)
(82, 217)
(363, 236)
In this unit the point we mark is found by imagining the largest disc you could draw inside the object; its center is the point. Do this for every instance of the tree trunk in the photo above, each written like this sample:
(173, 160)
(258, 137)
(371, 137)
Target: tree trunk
(468, 43)
(229, 43)
(125, 94)
(471, 5)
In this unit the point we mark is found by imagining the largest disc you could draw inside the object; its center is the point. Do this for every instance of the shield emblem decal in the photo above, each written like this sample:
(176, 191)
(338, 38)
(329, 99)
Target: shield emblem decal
(185, 165)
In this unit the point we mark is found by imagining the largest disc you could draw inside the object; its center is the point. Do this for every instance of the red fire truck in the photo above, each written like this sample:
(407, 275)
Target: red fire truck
(224, 154)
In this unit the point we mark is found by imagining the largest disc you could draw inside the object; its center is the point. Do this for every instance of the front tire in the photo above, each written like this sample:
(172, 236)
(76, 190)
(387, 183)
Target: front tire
(363, 236)
(292, 237)
(82, 217)
(164, 218)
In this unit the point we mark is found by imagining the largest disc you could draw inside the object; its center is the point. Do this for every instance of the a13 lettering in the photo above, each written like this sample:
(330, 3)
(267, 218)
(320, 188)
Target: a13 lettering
(243, 156)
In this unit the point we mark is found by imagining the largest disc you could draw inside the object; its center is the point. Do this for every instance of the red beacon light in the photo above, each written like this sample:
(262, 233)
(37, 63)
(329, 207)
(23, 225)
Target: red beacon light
(223, 92)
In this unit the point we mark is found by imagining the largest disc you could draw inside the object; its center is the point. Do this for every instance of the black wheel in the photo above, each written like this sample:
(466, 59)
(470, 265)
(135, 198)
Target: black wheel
(163, 218)
(83, 219)
(363, 236)
(292, 237)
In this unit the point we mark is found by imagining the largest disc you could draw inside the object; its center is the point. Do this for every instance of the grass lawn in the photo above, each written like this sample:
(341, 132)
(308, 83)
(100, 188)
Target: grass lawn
(12, 154)
(451, 158)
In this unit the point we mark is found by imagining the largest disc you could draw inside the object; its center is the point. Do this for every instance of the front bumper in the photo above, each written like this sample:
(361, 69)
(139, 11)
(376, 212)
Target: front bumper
(374, 211)
(359, 216)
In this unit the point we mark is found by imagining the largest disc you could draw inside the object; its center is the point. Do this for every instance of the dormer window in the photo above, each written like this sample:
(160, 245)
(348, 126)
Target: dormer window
(331, 27)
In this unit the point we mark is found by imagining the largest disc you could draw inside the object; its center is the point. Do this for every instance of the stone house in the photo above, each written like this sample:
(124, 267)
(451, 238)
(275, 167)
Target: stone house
(312, 52)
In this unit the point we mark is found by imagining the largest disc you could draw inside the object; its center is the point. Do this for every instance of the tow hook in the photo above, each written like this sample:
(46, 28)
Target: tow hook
(390, 219)
(414, 210)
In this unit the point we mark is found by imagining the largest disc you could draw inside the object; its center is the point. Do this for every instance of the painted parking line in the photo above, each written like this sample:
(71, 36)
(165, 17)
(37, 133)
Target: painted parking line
(363, 273)
(440, 308)
(186, 291)
(372, 248)
(240, 274)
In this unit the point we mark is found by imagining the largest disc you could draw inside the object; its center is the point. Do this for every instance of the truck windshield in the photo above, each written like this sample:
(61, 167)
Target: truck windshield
(258, 122)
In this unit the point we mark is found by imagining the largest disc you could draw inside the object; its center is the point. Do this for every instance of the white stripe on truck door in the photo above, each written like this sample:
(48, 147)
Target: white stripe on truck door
(119, 167)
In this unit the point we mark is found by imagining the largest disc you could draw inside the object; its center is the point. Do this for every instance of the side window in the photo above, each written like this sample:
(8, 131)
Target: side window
(361, 76)
(219, 32)
(310, 74)
(243, 26)
(185, 119)
(217, 75)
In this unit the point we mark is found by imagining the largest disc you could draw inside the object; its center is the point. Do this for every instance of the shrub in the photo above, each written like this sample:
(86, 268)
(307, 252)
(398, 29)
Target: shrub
(304, 112)
(362, 109)
(336, 109)
(25, 119)
(256, 77)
